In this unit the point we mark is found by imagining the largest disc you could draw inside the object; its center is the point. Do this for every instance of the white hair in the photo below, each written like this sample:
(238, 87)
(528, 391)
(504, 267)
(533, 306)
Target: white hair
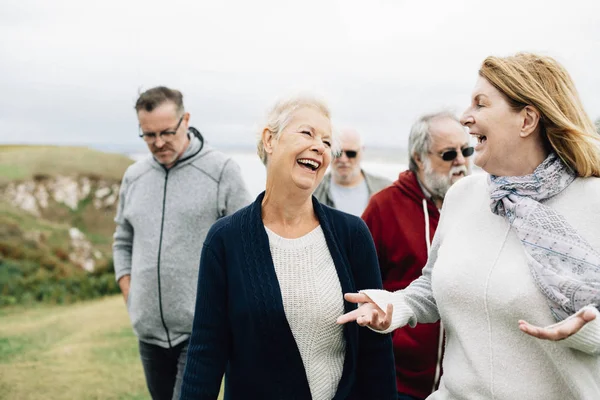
(280, 115)
(419, 141)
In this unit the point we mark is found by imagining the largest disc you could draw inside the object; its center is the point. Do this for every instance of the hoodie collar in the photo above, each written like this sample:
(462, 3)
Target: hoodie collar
(194, 147)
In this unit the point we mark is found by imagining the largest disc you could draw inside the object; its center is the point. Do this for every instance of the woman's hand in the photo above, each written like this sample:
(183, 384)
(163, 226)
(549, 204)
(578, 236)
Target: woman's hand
(561, 330)
(368, 314)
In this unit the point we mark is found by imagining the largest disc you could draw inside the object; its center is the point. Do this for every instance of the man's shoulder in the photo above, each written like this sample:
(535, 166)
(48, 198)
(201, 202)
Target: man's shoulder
(377, 182)
(212, 161)
(137, 169)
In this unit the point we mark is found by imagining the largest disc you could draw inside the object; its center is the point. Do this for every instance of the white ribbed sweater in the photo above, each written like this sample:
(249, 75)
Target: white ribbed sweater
(312, 300)
(478, 282)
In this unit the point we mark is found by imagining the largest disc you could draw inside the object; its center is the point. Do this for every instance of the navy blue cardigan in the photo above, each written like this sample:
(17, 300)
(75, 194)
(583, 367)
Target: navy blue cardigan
(240, 327)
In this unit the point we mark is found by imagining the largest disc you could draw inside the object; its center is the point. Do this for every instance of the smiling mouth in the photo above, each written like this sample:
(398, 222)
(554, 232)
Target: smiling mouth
(480, 138)
(308, 164)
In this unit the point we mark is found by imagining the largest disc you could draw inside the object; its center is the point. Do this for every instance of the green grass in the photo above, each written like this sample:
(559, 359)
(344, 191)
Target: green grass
(22, 162)
(81, 351)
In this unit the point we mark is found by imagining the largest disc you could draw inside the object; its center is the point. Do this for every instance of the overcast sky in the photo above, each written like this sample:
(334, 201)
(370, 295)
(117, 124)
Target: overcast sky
(70, 70)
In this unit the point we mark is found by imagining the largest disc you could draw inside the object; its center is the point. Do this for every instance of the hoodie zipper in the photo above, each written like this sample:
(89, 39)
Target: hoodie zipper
(198, 135)
(438, 365)
(162, 223)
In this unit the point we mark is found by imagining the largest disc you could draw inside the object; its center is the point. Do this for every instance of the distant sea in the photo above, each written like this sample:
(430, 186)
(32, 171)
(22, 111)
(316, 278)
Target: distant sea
(253, 171)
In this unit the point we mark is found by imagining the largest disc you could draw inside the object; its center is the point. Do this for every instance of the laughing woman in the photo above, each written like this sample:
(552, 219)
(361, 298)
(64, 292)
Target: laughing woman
(514, 268)
(272, 279)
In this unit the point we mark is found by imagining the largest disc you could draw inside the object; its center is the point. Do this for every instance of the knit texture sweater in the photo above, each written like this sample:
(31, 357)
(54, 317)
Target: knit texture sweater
(478, 282)
(240, 327)
(312, 300)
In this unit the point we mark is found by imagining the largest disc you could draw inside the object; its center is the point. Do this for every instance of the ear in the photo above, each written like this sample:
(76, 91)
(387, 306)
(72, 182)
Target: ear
(418, 160)
(268, 138)
(186, 120)
(530, 122)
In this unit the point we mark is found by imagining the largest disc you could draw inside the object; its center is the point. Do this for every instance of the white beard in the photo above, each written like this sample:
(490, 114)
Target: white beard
(438, 184)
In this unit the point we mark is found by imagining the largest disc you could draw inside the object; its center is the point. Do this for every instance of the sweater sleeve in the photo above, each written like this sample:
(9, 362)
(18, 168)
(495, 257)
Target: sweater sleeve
(416, 303)
(208, 349)
(376, 376)
(233, 193)
(587, 339)
(123, 238)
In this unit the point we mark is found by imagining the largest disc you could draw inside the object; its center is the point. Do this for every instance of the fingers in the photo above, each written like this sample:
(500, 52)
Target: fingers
(351, 316)
(589, 315)
(357, 298)
(558, 331)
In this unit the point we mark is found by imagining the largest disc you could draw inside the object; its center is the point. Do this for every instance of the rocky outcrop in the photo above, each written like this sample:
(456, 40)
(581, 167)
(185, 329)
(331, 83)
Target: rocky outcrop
(34, 196)
(39, 195)
(82, 253)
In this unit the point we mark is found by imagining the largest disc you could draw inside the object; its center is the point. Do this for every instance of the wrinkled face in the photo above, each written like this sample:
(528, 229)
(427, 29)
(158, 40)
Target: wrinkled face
(164, 118)
(495, 125)
(301, 153)
(345, 169)
(447, 137)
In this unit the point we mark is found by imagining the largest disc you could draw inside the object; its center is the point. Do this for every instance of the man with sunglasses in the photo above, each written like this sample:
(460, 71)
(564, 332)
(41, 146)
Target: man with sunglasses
(402, 219)
(167, 203)
(348, 187)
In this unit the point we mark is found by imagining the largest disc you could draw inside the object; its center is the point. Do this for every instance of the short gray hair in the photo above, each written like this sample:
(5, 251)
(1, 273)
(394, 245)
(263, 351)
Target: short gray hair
(280, 115)
(419, 141)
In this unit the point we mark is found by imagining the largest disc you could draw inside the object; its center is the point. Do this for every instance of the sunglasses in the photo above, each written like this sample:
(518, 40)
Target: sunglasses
(450, 155)
(349, 153)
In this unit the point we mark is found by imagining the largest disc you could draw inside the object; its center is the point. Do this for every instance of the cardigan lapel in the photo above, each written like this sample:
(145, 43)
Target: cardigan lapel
(263, 287)
(271, 322)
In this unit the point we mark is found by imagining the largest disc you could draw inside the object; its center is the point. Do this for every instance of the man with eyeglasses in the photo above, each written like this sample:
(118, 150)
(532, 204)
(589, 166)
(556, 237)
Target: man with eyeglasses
(402, 219)
(348, 187)
(167, 203)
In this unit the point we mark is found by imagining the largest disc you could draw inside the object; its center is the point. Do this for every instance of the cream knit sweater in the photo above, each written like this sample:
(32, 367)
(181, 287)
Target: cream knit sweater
(478, 282)
(312, 300)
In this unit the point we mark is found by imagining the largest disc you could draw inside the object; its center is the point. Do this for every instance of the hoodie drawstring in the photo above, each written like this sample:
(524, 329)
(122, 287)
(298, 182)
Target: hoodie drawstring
(441, 335)
(427, 234)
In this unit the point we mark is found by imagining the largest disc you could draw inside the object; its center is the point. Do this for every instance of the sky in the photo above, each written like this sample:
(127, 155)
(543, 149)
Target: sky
(71, 70)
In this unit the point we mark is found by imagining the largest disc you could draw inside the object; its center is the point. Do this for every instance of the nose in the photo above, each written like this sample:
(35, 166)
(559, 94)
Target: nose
(460, 159)
(319, 147)
(466, 119)
(159, 142)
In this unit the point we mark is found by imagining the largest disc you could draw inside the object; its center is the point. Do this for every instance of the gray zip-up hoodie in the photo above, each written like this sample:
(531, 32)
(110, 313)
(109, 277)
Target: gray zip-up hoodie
(162, 220)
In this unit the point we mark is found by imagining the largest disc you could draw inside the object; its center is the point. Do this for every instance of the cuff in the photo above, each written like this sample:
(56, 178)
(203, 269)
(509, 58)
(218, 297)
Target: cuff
(587, 339)
(402, 313)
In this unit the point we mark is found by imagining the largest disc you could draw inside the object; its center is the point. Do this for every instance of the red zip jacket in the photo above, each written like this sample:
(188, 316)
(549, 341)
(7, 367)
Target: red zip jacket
(399, 217)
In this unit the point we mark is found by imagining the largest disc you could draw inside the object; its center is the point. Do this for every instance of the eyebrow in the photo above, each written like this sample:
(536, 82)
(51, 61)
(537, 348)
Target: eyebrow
(304, 126)
(462, 146)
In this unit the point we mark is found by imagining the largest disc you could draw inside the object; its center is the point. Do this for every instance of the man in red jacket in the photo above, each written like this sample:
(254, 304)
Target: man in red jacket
(402, 219)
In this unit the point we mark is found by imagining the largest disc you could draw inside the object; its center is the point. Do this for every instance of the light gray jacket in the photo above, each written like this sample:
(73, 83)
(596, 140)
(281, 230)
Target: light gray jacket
(374, 185)
(162, 220)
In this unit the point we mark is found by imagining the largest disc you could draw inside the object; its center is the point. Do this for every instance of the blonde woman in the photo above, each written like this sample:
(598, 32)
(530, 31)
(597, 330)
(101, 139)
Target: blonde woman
(514, 269)
(272, 278)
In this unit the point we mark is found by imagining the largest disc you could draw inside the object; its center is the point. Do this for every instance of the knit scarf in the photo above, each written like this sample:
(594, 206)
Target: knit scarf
(564, 265)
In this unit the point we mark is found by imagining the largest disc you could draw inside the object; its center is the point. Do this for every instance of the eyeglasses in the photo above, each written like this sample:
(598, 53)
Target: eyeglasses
(349, 153)
(166, 136)
(450, 155)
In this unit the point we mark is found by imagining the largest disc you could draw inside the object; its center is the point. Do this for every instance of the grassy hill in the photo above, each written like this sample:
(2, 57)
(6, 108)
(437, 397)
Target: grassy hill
(37, 249)
(85, 350)
(23, 162)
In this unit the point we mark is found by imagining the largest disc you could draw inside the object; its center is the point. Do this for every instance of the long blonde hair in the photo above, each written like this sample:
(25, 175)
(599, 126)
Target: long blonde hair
(540, 81)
